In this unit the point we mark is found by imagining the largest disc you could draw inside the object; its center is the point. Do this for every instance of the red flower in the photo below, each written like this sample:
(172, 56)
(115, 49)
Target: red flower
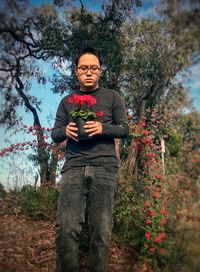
(164, 221)
(151, 155)
(157, 239)
(147, 204)
(156, 195)
(158, 176)
(148, 221)
(148, 235)
(142, 123)
(163, 211)
(76, 99)
(69, 100)
(145, 132)
(152, 213)
(163, 235)
(80, 99)
(152, 249)
(162, 251)
(100, 113)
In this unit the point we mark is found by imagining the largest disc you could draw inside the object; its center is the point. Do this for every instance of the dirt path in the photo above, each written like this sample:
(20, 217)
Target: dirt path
(27, 245)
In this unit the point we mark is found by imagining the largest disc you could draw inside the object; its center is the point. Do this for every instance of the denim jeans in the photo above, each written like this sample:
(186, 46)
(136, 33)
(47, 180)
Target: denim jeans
(91, 188)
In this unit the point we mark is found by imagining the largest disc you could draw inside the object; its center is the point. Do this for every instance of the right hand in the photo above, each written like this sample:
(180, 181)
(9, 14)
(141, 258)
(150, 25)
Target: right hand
(70, 131)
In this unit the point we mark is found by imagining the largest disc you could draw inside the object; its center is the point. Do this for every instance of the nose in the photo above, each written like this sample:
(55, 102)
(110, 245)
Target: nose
(89, 73)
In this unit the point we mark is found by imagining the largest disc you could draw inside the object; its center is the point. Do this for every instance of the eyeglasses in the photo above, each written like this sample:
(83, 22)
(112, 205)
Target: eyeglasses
(93, 69)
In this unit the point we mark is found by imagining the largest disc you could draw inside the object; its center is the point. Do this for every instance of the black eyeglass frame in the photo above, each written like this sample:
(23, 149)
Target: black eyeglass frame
(87, 68)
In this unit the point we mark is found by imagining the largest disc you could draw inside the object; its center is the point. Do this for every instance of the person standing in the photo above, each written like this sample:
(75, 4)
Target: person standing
(89, 174)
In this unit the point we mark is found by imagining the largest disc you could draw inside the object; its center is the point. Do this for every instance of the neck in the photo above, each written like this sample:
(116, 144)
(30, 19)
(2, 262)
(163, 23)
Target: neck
(88, 89)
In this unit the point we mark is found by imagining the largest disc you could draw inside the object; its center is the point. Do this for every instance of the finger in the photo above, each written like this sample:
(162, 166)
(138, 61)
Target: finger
(72, 124)
(94, 133)
(91, 130)
(73, 136)
(90, 122)
(71, 133)
(75, 139)
(90, 126)
(72, 128)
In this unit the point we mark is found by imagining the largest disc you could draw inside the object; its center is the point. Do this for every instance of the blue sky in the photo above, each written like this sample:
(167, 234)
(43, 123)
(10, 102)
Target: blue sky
(50, 101)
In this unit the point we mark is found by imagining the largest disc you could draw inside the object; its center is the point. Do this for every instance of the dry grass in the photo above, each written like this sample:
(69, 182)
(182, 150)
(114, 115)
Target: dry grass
(28, 245)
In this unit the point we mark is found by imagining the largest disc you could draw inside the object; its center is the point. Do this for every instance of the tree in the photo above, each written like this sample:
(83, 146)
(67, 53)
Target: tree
(141, 58)
(25, 40)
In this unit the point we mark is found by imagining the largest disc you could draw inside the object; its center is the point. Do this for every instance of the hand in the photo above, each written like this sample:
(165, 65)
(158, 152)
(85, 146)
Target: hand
(70, 131)
(93, 127)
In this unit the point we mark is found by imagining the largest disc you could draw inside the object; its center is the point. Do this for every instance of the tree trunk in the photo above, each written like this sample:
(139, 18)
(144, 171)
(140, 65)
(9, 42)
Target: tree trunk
(133, 156)
(43, 156)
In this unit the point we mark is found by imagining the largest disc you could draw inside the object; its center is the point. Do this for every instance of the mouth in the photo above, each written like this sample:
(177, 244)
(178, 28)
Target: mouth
(89, 80)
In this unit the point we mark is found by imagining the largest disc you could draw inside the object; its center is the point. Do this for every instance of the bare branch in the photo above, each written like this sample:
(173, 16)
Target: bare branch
(20, 89)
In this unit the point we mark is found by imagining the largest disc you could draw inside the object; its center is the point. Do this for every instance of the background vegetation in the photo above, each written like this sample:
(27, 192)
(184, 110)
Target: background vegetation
(156, 204)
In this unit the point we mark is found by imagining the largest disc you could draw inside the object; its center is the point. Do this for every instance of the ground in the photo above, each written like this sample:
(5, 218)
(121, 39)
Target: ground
(29, 245)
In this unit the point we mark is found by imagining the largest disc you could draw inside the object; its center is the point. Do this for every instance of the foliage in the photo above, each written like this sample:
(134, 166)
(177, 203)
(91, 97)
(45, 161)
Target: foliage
(141, 59)
(148, 203)
(150, 67)
(174, 142)
(39, 203)
(2, 191)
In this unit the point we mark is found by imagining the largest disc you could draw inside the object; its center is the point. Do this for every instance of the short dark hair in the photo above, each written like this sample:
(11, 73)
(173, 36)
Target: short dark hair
(88, 50)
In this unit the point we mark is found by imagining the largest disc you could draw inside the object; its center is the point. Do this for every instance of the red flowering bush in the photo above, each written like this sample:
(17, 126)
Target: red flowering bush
(84, 109)
(148, 201)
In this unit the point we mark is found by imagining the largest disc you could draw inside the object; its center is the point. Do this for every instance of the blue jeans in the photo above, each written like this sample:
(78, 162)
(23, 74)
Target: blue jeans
(91, 188)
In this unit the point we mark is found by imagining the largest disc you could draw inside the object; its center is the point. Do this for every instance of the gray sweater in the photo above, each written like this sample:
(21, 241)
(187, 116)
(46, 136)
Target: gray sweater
(99, 149)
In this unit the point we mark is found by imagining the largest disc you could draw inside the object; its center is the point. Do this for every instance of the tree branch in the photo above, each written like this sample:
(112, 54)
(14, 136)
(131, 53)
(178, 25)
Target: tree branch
(19, 89)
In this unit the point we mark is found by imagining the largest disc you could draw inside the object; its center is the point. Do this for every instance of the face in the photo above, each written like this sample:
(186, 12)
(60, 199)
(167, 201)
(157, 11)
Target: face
(88, 78)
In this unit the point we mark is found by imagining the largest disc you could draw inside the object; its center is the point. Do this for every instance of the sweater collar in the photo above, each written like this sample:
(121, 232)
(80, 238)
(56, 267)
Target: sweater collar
(94, 92)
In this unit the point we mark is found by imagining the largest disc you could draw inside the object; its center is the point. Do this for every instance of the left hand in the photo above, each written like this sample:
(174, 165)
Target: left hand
(93, 128)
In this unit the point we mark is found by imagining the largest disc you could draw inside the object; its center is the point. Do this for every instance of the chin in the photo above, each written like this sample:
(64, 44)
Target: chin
(89, 85)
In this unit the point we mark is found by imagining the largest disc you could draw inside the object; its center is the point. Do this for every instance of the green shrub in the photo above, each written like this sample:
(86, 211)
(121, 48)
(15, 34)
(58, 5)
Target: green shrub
(2, 191)
(39, 203)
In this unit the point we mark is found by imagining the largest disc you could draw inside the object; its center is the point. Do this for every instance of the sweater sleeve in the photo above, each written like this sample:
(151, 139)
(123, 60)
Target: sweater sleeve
(58, 133)
(119, 128)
